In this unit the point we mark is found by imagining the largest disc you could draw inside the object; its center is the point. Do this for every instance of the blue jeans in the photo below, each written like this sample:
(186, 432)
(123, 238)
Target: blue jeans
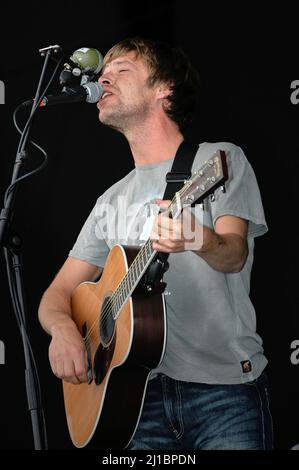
(185, 415)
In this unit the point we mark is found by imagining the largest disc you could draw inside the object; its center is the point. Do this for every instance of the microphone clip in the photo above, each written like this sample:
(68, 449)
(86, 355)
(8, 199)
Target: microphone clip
(55, 49)
(71, 75)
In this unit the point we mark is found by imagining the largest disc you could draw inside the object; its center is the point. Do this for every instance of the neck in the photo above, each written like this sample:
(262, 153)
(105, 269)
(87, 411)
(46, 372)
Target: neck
(153, 142)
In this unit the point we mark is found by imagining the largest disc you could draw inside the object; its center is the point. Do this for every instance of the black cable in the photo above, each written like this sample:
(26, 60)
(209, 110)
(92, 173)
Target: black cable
(24, 133)
(36, 170)
(22, 327)
(35, 104)
(33, 109)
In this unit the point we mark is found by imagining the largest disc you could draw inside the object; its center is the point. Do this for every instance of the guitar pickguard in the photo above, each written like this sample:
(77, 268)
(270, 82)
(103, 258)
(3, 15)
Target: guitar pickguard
(102, 361)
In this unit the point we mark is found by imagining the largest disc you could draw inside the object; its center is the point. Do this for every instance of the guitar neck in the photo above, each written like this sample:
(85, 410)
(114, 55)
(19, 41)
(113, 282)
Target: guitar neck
(204, 181)
(133, 276)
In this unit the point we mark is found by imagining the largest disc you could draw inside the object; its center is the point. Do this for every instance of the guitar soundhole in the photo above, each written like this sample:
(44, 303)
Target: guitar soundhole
(107, 322)
(104, 352)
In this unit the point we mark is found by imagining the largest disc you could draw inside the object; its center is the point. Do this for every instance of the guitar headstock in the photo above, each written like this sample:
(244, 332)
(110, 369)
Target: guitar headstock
(204, 181)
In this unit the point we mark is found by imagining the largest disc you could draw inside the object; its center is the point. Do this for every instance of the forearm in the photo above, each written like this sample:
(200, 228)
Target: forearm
(226, 252)
(54, 309)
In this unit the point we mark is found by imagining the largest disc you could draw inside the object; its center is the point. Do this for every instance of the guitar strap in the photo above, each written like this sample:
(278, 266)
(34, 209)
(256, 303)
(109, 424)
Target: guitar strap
(181, 168)
(180, 172)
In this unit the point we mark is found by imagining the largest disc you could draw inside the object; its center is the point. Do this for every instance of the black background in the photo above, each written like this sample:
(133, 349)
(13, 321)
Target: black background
(247, 58)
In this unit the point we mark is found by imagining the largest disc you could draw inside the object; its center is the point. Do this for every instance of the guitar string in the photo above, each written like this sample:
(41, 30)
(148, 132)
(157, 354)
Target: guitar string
(137, 260)
(121, 288)
(109, 307)
(111, 303)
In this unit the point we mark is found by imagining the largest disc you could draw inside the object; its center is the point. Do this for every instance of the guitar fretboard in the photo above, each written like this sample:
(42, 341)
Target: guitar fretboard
(132, 277)
(211, 175)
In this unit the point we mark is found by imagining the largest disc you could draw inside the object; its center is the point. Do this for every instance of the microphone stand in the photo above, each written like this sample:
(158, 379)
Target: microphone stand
(12, 244)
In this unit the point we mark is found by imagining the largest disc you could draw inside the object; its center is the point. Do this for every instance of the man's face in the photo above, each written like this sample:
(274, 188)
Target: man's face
(127, 99)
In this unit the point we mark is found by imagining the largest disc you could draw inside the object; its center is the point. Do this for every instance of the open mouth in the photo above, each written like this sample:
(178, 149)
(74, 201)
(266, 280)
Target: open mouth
(105, 95)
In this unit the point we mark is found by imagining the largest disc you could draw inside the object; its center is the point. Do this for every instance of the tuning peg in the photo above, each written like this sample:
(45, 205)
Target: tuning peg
(212, 197)
(223, 189)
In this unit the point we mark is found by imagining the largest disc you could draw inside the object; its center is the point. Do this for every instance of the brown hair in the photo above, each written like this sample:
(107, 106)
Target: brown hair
(166, 64)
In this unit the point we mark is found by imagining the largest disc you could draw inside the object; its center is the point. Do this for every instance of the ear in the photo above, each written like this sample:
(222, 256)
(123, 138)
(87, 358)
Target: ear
(163, 90)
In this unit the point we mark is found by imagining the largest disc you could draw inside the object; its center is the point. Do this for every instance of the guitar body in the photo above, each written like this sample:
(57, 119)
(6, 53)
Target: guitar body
(124, 330)
(122, 351)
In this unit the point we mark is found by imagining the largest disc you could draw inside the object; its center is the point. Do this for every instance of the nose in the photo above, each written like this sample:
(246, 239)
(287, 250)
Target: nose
(105, 79)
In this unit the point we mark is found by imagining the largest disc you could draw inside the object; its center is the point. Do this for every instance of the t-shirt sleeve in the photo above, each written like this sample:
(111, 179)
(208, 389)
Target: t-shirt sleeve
(242, 197)
(90, 245)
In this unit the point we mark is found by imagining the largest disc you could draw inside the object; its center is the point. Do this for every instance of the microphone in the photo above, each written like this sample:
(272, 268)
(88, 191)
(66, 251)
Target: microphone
(83, 66)
(88, 59)
(90, 92)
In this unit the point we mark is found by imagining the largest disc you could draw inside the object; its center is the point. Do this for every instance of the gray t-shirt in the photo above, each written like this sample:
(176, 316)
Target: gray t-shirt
(211, 324)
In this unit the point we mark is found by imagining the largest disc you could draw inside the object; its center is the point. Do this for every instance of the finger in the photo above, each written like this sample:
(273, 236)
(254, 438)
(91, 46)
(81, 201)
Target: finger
(73, 380)
(64, 369)
(53, 366)
(172, 233)
(82, 375)
(69, 374)
(154, 236)
(164, 221)
(80, 366)
(159, 247)
(59, 369)
(163, 203)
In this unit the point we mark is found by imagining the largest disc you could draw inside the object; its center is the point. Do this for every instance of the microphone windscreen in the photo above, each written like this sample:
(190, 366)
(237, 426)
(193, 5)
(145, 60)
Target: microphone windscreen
(88, 58)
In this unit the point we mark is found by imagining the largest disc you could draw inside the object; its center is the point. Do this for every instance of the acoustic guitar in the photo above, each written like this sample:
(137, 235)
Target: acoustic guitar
(124, 330)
